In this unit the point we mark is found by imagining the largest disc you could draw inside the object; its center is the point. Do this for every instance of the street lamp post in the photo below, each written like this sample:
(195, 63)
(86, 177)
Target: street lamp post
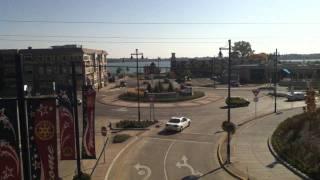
(137, 54)
(229, 95)
(275, 80)
(213, 74)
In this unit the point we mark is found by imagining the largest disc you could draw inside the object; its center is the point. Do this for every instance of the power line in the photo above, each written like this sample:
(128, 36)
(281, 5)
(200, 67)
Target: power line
(153, 23)
(107, 37)
(134, 37)
(114, 42)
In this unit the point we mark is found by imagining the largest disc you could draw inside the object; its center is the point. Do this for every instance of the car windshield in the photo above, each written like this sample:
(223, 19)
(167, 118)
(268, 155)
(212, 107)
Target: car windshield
(174, 120)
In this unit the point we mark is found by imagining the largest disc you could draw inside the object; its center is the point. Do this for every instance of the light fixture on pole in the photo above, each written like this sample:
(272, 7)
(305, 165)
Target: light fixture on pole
(137, 54)
(228, 123)
(275, 80)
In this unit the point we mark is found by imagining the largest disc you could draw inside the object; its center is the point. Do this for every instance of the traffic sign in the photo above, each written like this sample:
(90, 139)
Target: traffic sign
(255, 92)
(103, 131)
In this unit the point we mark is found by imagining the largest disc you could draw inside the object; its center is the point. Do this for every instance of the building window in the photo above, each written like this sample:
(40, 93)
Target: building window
(41, 70)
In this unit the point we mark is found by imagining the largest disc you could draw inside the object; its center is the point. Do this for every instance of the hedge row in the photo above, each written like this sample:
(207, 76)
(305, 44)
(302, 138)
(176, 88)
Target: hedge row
(132, 97)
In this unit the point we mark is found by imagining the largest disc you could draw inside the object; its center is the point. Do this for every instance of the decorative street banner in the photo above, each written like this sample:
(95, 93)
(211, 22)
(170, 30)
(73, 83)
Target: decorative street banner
(88, 140)
(9, 142)
(43, 138)
(66, 121)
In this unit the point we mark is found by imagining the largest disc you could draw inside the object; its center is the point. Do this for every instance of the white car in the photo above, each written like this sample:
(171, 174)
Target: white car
(296, 96)
(178, 123)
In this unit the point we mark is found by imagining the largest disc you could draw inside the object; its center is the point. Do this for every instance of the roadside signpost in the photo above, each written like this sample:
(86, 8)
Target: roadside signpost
(151, 100)
(104, 134)
(256, 100)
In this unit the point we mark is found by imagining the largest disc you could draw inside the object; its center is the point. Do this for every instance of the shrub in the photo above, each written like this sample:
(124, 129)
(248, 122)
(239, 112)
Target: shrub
(119, 138)
(83, 176)
(127, 124)
(237, 101)
(292, 141)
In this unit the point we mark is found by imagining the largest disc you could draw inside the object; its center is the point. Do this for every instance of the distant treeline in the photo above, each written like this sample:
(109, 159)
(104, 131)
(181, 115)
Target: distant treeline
(299, 56)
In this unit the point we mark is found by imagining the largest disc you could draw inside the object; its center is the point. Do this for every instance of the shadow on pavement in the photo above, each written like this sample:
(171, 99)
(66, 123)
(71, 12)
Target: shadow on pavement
(217, 132)
(167, 133)
(232, 107)
(193, 177)
(273, 164)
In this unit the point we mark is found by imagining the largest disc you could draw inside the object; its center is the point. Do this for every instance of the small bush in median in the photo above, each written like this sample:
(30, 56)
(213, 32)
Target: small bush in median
(119, 138)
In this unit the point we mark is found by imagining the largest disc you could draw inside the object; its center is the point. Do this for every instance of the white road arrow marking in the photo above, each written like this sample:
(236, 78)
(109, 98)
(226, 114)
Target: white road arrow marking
(185, 164)
(143, 171)
(122, 109)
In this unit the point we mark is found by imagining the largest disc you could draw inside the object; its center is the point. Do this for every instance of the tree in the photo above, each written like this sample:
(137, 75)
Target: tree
(242, 48)
(118, 71)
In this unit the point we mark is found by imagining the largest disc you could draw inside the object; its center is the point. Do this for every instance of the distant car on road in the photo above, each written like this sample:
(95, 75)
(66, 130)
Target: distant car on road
(123, 84)
(234, 83)
(296, 96)
(178, 123)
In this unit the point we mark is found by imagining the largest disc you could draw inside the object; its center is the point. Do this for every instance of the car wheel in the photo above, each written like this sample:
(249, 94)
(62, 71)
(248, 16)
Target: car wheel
(189, 124)
(180, 129)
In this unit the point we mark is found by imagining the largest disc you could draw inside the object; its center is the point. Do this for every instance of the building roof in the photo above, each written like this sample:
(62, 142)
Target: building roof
(63, 50)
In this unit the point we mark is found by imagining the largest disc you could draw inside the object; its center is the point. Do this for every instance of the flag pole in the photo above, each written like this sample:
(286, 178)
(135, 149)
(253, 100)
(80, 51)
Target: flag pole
(75, 106)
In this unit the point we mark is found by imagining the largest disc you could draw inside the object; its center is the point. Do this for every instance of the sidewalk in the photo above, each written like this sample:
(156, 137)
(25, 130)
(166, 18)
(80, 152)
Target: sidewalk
(112, 99)
(250, 152)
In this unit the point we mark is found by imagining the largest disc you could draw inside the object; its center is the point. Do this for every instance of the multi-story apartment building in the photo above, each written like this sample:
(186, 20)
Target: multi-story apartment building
(43, 69)
(8, 72)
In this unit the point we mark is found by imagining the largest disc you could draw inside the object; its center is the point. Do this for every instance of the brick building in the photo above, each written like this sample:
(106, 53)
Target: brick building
(42, 68)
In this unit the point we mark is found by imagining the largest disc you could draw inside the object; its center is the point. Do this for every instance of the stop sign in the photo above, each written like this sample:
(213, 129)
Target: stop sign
(255, 92)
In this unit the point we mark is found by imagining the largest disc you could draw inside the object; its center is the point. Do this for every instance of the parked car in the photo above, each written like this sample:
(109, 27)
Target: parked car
(234, 83)
(296, 96)
(123, 84)
(178, 123)
(237, 102)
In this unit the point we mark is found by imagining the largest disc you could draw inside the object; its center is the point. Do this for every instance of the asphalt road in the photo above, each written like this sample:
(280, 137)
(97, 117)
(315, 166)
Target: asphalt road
(159, 155)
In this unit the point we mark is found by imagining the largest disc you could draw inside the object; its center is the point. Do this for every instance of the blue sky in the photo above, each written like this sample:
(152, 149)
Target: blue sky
(187, 40)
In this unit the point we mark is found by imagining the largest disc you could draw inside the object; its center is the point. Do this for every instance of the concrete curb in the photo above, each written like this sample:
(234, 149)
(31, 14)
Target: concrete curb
(287, 165)
(223, 163)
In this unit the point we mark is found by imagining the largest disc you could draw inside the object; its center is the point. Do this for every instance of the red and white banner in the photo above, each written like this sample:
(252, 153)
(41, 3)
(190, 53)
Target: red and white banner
(9, 156)
(66, 123)
(43, 138)
(88, 140)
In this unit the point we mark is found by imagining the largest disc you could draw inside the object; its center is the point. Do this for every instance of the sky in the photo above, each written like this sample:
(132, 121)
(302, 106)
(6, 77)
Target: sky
(190, 28)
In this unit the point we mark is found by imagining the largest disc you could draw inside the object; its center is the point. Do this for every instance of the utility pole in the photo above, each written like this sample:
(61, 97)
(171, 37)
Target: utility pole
(229, 97)
(275, 80)
(138, 86)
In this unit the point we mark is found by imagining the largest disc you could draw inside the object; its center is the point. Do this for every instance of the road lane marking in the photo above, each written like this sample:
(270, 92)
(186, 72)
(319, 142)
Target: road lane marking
(198, 134)
(185, 164)
(117, 156)
(122, 109)
(177, 140)
(143, 170)
(164, 161)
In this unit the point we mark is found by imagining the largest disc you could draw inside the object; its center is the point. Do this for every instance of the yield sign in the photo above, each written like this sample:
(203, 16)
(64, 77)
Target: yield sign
(255, 91)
